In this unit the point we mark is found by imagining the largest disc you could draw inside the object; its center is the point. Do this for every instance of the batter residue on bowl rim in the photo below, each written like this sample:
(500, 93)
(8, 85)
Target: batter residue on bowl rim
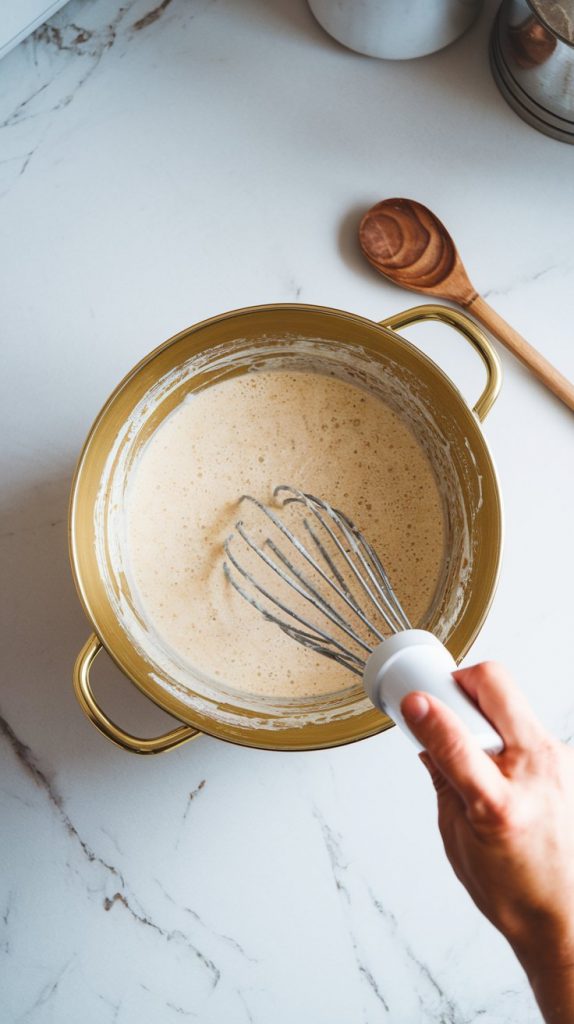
(245, 435)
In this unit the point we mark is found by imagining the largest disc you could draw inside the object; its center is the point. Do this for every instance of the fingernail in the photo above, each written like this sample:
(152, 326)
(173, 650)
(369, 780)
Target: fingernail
(415, 707)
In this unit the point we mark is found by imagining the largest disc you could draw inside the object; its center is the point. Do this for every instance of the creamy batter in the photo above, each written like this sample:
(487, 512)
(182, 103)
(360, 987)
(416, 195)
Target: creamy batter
(248, 434)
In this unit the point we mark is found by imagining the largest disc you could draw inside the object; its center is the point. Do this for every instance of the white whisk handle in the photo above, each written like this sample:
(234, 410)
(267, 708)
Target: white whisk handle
(416, 660)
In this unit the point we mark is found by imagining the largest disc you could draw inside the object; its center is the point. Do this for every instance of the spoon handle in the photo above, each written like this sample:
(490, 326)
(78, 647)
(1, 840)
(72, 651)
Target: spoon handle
(527, 354)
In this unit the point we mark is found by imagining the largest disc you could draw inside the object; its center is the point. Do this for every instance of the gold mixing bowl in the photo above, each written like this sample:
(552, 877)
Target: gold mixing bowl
(290, 336)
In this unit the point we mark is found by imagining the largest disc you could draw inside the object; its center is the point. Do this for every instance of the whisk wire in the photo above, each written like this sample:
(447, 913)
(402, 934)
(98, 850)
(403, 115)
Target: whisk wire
(307, 500)
(341, 558)
(311, 590)
(327, 558)
(310, 594)
(354, 539)
(385, 583)
(382, 585)
(345, 595)
(316, 640)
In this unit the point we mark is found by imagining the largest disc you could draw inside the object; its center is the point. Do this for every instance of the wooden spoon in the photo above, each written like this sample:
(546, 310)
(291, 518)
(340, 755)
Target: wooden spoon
(410, 246)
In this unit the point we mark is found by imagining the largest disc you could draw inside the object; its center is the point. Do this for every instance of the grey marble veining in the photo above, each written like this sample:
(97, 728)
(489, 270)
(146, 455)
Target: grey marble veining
(159, 164)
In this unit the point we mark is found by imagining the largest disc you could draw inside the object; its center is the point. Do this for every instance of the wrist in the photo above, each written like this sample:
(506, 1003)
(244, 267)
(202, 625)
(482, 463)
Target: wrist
(546, 949)
(553, 988)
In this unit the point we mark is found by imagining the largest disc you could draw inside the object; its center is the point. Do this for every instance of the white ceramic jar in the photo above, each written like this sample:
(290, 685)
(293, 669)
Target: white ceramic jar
(395, 29)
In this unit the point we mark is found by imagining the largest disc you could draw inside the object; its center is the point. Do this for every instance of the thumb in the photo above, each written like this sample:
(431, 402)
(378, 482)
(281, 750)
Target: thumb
(454, 751)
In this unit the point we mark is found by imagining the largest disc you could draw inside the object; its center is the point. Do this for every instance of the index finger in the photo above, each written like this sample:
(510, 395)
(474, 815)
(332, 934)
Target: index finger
(455, 752)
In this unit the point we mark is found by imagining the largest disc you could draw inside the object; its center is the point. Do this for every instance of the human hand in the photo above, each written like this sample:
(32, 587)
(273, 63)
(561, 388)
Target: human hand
(507, 823)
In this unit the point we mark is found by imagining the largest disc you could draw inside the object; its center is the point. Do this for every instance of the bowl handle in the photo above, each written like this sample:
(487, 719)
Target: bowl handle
(465, 326)
(87, 701)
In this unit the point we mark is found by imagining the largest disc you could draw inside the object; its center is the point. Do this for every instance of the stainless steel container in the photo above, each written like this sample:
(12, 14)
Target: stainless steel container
(395, 29)
(532, 59)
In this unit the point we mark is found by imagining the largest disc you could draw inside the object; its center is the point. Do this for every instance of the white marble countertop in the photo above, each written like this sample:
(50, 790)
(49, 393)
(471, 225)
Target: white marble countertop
(156, 167)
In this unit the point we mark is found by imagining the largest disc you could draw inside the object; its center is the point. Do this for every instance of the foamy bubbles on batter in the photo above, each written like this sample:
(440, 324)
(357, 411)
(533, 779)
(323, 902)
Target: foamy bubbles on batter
(245, 435)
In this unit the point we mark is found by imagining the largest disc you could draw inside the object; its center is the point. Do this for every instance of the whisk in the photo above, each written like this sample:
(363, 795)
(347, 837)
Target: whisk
(346, 609)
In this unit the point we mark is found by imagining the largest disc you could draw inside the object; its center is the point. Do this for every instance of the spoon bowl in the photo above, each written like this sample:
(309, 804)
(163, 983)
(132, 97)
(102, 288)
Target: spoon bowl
(407, 243)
